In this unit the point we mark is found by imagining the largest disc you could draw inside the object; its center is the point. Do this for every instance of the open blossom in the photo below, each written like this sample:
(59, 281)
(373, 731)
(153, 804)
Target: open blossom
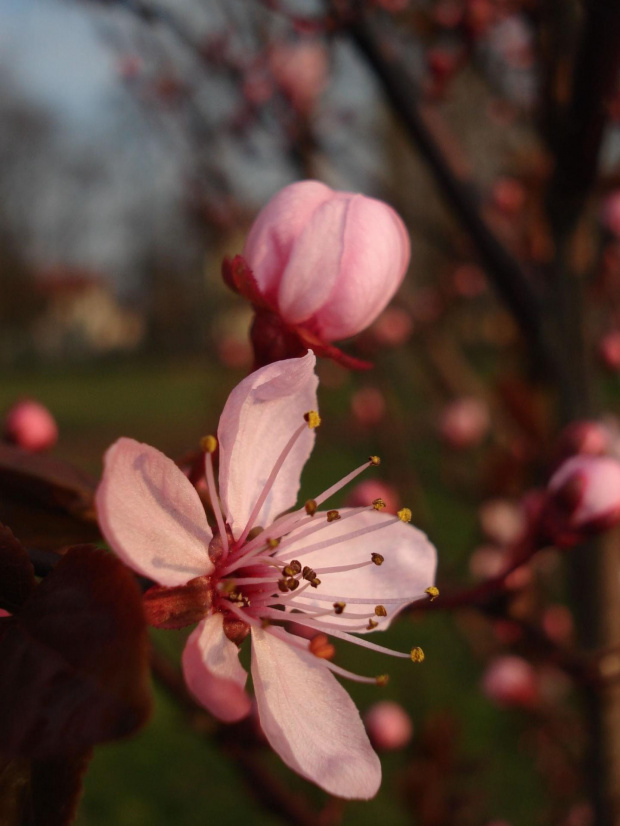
(335, 573)
(318, 266)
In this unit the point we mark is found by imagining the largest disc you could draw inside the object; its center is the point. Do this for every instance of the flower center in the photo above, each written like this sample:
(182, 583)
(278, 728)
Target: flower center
(259, 580)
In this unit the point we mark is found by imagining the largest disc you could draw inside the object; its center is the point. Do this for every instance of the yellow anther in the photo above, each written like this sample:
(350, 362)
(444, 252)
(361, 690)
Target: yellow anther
(288, 571)
(417, 655)
(310, 507)
(404, 514)
(433, 592)
(383, 679)
(339, 607)
(378, 504)
(374, 460)
(315, 582)
(312, 418)
(333, 516)
(273, 543)
(377, 559)
(371, 624)
(208, 444)
(380, 611)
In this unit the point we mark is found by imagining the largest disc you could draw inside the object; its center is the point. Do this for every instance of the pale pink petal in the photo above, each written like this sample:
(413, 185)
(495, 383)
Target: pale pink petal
(151, 515)
(374, 260)
(408, 569)
(310, 720)
(277, 228)
(260, 416)
(315, 263)
(213, 672)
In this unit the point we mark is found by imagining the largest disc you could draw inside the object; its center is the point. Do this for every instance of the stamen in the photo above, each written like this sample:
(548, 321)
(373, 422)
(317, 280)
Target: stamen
(269, 483)
(314, 528)
(377, 559)
(327, 543)
(379, 504)
(209, 444)
(380, 611)
(404, 514)
(339, 568)
(312, 419)
(417, 655)
(333, 516)
(344, 481)
(433, 592)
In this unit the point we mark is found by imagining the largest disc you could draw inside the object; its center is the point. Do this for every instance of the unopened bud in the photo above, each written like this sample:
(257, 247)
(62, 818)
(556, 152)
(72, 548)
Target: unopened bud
(388, 725)
(585, 493)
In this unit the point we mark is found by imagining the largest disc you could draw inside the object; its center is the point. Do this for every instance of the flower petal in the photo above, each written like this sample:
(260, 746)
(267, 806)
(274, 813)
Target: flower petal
(375, 256)
(310, 720)
(151, 515)
(213, 672)
(277, 228)
(260, 416)
(407, 570)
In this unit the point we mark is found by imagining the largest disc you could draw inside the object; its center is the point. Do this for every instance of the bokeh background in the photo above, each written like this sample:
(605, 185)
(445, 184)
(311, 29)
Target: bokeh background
(138, 139)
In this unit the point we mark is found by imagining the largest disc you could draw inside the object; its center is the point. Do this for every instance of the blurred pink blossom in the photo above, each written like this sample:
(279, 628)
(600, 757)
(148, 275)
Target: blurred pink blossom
(388, 725)
(511, 681)
(393, 327)
(610, 213)
(301, 70)
(585, 493)
(609, 350)
(464, 422)
(31, 426)
(502, 520)
(368, 406)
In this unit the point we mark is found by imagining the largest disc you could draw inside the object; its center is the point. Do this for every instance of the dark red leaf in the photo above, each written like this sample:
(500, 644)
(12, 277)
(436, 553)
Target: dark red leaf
(41, 526)
(74, 660)
(16, 574)
(48, 480)
(41, 792)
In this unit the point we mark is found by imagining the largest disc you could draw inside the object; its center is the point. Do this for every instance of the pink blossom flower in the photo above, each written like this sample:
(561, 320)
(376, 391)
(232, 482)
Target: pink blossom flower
(335, 573)
(319, 266)
(464, 422)
(30, 425)
(302, 71)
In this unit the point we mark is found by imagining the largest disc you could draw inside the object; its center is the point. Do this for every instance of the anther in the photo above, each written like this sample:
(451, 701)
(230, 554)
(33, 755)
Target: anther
(433, 592)
(404, 514)
(374, 460)
(315, 582)
(295, 566)
(283, 586)
(417, 655)
(308, 573)
(378, 504)
(321, 647)
(339, 607)
(371, 624)
(310, 507)
(292, 583)
(208, 444)
(312, 418)
(288, 571)
(380, 611)
(273, 543)
(377, 559)
(383, 680)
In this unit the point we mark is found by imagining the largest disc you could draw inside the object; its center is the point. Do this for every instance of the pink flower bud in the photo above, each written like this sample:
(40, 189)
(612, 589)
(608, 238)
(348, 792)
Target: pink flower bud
(4, 613)
(329, 261)
(368, 406)
(370, 490)
(31, 426)
(393, 327)
(585, 494)
(609, 350)
(509, 195)
(388, 725)
(610, 214)
(511, 681)
(301, 71)
(464, 422)
(586, 437)
(469, 281)
(502, 520)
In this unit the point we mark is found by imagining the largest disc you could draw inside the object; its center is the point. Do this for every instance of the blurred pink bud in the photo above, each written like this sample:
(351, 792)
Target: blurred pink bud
(366, 492)
(368, 406)
(502, 520)
(464, 422)
(4, 613)
(581, 814)
(393, 327)
(610, 213)
(609, 350)
(301, 71)
(468, 280)
(327, 260)
(511, 681)
(557, 623)
(589, 437)
(509, 195)
(585, 493)
(487, 562)
(388, 725)
(30, 425)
